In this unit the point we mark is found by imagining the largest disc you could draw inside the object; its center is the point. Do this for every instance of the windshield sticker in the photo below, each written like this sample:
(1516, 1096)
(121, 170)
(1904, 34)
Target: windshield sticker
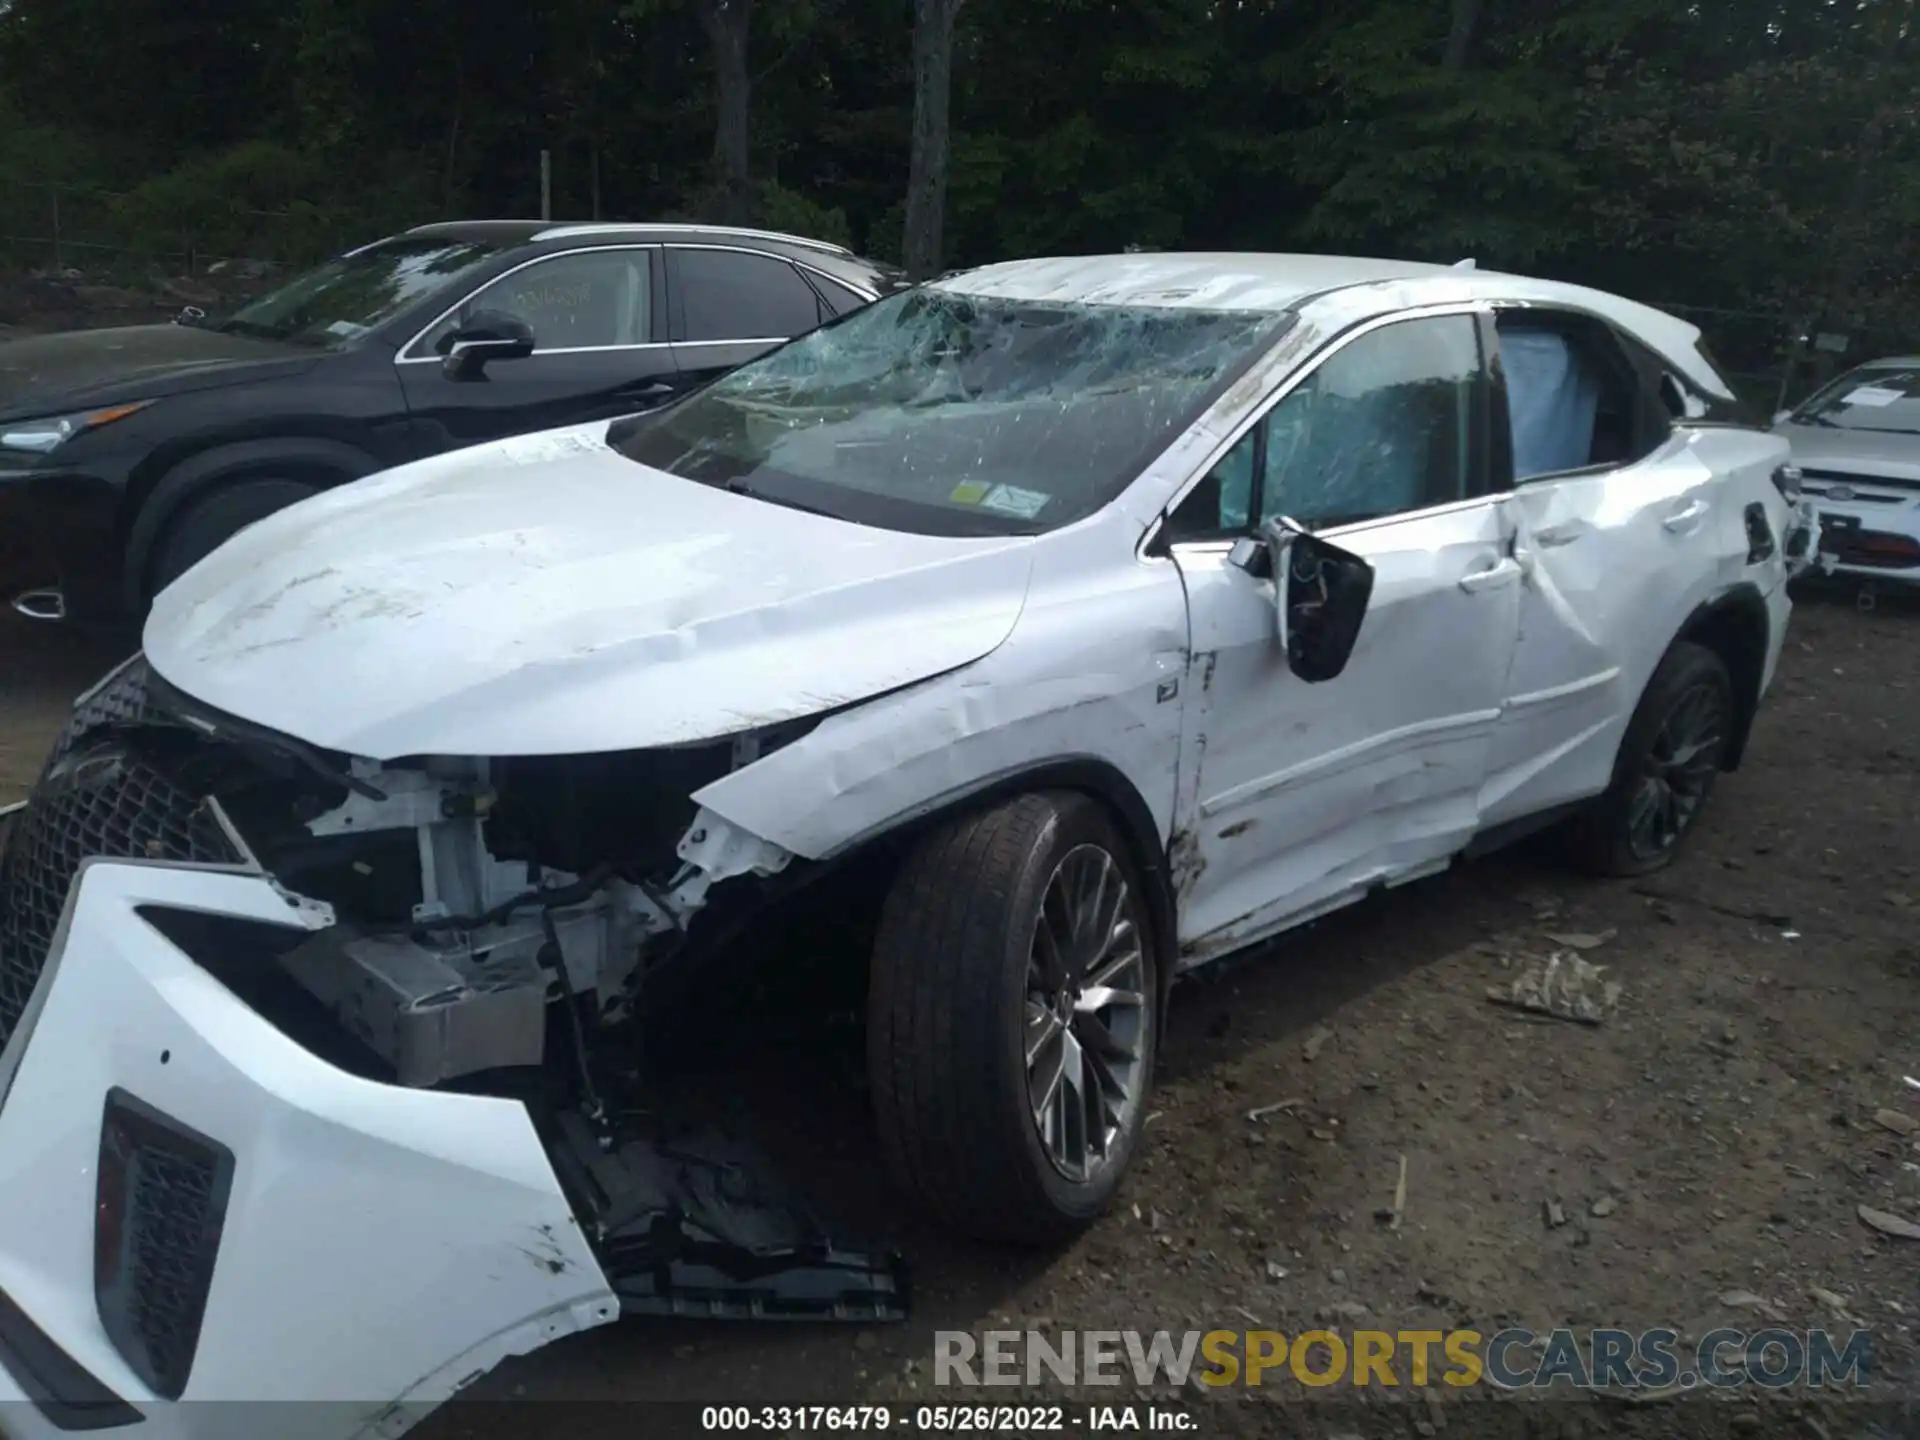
(969, 492)
(1874, 395)
(1012, 500)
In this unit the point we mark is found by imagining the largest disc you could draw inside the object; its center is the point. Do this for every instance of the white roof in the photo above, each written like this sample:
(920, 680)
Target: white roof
(1228, 281)
(1201, 281)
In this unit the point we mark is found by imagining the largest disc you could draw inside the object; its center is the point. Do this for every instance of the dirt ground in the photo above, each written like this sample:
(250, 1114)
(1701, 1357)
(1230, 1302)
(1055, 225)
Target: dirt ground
(1715, 1135)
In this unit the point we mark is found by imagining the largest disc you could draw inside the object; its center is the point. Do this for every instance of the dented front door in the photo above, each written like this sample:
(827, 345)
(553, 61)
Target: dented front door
(1304, 795)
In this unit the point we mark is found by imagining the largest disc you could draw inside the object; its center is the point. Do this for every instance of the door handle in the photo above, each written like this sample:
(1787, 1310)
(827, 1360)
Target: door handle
(1684, 517)
(652, 390)
(1565, 533)
(1501, 572)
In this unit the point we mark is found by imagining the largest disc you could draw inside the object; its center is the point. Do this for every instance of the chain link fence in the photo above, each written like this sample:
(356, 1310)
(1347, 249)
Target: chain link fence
(56, 227)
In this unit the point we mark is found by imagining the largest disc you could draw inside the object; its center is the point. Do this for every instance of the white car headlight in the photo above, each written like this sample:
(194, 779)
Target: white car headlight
(49, 433)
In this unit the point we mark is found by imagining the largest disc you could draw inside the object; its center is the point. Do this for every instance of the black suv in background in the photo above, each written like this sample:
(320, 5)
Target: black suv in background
(130, 454)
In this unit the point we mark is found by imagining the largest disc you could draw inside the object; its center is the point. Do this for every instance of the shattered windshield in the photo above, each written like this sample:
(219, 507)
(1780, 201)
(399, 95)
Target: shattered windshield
(1885, 399)
(956, 414)
(345, 298)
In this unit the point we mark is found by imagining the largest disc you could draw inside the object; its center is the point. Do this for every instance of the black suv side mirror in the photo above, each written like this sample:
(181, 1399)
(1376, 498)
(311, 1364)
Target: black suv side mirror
(484, 336)
(1321, 595)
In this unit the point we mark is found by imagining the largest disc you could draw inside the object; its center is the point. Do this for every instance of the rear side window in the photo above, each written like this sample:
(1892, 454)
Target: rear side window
(735, 295)
(1680, 397)
(1574, 399)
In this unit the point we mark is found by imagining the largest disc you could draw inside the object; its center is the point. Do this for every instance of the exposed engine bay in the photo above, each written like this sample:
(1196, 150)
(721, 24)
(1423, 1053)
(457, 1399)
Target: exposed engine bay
(487, 925)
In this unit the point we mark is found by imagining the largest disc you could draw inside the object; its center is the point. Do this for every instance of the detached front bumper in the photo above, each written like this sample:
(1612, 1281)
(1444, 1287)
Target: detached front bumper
(260, 1226)
(1876, 539)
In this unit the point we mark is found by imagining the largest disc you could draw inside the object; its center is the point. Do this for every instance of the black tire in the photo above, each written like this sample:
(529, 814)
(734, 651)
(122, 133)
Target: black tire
(948, 1018)
(1611, 837)
(209, 522)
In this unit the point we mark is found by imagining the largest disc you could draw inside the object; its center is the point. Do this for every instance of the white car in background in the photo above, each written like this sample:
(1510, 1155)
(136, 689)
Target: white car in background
(1856, 443)
(1104, 615)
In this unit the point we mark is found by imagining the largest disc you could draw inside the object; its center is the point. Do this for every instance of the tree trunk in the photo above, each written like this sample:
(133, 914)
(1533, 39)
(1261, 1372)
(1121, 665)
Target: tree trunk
(728, 24)
(453, 153)
(927, 166)
(1460, 33)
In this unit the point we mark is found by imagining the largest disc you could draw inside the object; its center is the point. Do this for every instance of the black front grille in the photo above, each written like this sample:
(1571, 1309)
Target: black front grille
(103, 800)
(161, 1207)
(122, 698)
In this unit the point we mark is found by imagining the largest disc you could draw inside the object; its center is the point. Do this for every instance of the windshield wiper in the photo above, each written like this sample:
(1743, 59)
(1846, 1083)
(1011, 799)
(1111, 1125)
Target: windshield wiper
(740, 487)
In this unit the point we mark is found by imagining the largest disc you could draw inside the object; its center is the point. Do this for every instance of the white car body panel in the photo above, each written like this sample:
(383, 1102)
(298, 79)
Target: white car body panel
(1306, 793)
(554, 598)
(342, 1187)
(548, 597)
(1615, 563)
(1093, 671)
(1344, 290)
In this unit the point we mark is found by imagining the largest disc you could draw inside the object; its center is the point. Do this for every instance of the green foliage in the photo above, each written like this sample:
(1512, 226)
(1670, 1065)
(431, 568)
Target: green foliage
(797, 214)
(1739, 153)
(260, 198)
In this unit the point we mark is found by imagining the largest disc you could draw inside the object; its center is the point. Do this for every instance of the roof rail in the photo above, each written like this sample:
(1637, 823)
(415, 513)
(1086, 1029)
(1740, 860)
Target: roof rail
(558, 232)
(490, 220)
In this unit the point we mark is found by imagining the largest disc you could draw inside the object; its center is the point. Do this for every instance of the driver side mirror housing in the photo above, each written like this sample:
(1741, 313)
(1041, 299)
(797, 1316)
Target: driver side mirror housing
(483, 337)
(1321, 594)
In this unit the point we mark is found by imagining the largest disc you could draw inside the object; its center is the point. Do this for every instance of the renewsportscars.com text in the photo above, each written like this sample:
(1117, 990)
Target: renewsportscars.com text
(1509, 1359)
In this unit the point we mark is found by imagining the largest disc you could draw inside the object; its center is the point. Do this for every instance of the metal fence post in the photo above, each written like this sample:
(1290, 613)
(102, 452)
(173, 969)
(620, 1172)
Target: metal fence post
(546, 185)
(58, 262)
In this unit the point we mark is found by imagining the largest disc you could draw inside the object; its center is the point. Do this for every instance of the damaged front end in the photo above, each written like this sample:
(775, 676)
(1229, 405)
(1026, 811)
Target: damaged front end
(476, 933)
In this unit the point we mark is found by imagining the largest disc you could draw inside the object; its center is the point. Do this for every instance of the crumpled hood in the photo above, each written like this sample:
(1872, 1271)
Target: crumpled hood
(47, 374)
(545, 595)
(1857, 452)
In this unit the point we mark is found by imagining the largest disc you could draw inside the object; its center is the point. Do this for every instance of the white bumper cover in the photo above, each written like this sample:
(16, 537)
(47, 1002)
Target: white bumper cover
(380, 1247)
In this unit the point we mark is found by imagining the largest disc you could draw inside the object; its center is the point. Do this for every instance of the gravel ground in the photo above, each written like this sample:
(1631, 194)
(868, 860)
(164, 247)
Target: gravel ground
(1714, 1135)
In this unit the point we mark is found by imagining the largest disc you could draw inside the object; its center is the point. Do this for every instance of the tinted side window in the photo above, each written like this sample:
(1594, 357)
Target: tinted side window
(589, 300)
(1574, 400)
(1383, 426)
(732, 295)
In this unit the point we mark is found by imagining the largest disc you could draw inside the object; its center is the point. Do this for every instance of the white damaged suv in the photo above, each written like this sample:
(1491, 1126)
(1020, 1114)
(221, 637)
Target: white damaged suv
(1115, 613)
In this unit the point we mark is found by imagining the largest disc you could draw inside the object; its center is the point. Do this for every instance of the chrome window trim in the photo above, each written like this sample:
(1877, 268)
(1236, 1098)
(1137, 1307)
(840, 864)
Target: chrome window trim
(598, 227)
(1284, 387)
(405, 357)
(1353, 527)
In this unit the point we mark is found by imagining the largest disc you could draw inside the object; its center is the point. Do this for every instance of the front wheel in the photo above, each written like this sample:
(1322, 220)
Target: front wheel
(1673, 751)
(1013, 1018)
(209, 522)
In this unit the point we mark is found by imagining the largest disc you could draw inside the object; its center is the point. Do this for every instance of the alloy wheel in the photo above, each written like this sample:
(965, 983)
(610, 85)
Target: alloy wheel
(1678, 770)
(1086, 1013)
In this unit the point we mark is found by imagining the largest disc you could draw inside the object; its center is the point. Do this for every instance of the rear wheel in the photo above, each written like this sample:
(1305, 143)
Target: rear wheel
(1674, 748)
(1013, 1018)
(209, 522)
